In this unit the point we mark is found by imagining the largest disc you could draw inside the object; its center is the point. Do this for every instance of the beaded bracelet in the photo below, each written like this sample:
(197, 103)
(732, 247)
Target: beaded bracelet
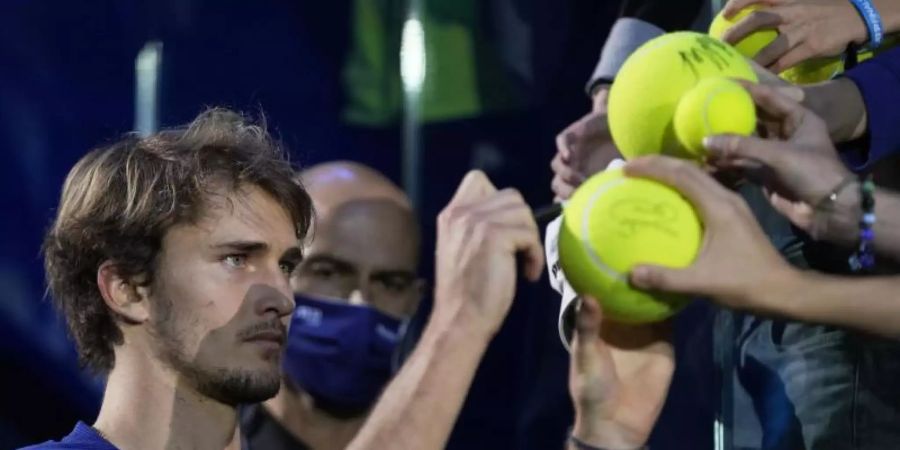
(863, 260)
(872, 19)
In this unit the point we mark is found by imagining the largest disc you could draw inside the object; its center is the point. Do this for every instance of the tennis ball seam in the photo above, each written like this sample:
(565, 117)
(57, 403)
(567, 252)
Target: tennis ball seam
(585, 231)
(707, 107)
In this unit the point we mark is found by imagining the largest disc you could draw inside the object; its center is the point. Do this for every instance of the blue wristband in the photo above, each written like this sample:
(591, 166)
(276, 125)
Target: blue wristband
(872, 19)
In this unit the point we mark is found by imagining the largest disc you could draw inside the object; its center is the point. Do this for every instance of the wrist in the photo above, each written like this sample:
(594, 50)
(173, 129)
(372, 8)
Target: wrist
(578, 444)
(599, 96)
(890, 15)
(867, 11)
(606, 434)
(783, 293)
(459, 323)
(840, 104)
(856, 26)
(842, 219)
(452, 341)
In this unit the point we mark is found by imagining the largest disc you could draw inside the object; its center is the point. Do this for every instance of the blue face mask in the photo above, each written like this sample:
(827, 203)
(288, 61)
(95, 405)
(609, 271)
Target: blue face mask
(341, 354)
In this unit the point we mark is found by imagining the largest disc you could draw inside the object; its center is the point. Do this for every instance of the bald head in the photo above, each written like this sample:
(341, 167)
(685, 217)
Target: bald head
(365, 241)
(332, 184)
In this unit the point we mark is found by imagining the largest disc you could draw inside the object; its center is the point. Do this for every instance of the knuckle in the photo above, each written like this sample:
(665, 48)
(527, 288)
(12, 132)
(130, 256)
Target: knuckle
(557, 164)
(479, 176)
(560, 188)
(473, 220)
(514, 194)
(565, 139)
(452, 214)
(444, 220)
(815, 44)
(466, 219)
(560, 139)
(755, 17)
(731, 143)
(444, 215)
(653, 279)
(554, 182)
(680, 169)
(479, 230)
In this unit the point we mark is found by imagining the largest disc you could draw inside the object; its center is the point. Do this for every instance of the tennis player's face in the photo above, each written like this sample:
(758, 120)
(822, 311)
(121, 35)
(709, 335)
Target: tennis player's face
(223, 297)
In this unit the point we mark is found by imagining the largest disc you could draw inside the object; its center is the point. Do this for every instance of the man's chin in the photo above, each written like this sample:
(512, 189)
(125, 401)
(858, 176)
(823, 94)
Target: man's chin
(235, 387)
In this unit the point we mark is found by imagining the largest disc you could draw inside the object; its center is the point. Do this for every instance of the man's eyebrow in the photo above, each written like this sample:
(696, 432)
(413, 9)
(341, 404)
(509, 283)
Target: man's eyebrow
(394, 273)
(340, 263)
(242, 246)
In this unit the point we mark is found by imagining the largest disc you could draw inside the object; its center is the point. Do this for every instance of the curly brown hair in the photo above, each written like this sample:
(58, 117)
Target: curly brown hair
(118, 202)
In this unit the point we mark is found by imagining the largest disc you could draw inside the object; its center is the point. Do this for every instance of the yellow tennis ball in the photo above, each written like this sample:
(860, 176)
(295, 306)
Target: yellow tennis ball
(750, 45)
(807, 72)
(612, 223)
(647, 89)
(713, 106)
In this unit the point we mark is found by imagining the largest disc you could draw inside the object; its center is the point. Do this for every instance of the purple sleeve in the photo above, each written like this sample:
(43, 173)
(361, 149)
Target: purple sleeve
(878, 79)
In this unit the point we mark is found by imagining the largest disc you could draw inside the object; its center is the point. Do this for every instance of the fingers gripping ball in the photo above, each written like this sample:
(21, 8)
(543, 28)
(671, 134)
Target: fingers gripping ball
(647, 89)
(613, 223)
(823, 69)
(713, 106)
(750, 45)
(807, 72)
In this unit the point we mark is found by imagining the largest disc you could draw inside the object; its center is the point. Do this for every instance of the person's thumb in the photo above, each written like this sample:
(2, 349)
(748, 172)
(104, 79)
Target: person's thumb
(587, 335)
(659, 278)
(800, 214)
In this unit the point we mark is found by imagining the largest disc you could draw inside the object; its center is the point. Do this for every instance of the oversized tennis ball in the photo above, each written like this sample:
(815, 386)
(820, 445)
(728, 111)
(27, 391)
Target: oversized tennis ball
(612, 223)
(807, 72)
(713, 106)
(647, 89)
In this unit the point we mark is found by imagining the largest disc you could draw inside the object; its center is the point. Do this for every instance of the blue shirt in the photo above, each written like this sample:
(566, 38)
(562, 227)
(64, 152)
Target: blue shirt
(83, 437)
(878, 80)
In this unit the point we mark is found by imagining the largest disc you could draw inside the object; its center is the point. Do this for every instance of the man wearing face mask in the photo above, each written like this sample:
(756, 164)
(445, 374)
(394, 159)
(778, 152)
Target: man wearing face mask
(355, 290)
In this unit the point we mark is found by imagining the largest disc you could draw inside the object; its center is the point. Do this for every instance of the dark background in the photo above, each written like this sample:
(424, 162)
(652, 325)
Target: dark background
(67, 84)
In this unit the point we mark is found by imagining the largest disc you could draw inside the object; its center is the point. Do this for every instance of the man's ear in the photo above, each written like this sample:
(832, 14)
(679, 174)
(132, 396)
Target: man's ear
(122, 296)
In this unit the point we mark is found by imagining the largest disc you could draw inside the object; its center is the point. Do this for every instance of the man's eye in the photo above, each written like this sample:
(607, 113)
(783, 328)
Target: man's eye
(322, 272)
(288, 267)
(396, 285)
(235, 261)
